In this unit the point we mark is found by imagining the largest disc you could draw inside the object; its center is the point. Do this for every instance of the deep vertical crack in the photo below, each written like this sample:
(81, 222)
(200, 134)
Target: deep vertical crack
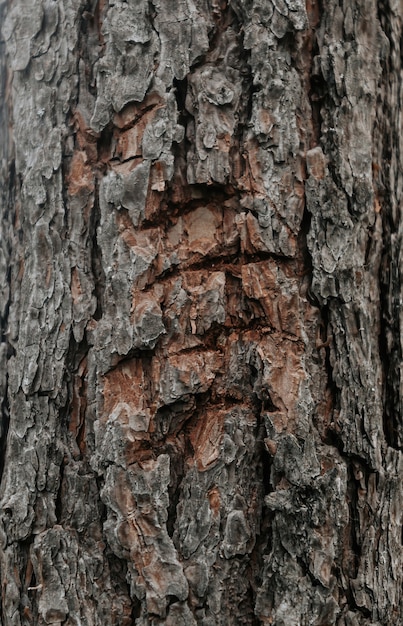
(389, 158)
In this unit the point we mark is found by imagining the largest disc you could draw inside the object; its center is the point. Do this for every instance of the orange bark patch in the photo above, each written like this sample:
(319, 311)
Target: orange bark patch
(214, 500)
(129, 143)
(313, 10)
(75, 286)
(263, 282)
(224, 142)
(86, 138)
(252, 179)
(153, 203)
(283, 375)
(126, 167)
(125, 398)
(316, 162)
(49, 274)
(158, 176)
(266, 122)
(202, 225)
(79, 406)
(132, 113)
(270, 446)
(206, 438)
(80, 177)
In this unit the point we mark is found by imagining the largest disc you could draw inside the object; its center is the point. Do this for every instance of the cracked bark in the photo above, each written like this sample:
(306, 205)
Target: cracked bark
(201, 288)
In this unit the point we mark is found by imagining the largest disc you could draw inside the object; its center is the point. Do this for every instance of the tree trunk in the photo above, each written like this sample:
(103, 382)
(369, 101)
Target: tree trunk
(201, 283)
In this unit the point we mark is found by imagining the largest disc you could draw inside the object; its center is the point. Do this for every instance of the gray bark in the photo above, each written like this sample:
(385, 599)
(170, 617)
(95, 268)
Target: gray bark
(201, 288)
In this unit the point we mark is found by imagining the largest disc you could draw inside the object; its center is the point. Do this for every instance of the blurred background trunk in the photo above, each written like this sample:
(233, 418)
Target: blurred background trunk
(201, 289)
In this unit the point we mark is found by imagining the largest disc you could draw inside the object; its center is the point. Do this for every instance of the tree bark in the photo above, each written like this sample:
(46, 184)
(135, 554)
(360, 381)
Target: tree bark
(201, 290)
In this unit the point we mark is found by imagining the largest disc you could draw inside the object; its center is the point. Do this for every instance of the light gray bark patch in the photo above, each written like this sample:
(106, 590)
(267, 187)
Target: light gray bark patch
(128, 23)
(277, 98)
(147, 319)
(135, 187)
(52, 603)
(136, 529)
(214, 101)
(19, 29)
(125, 71)
(125, 325)
(183, 32)
(128, 191)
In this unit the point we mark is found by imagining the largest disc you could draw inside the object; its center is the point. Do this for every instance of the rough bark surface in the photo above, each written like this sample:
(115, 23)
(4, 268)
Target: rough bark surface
(201, 289)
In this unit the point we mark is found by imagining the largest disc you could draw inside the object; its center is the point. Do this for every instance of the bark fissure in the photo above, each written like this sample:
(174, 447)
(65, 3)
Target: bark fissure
(8, 199)
(388, 124)
(97, 270)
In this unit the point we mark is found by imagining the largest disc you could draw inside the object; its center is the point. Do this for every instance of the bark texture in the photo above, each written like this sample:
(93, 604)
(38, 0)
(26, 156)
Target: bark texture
(201, 312)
